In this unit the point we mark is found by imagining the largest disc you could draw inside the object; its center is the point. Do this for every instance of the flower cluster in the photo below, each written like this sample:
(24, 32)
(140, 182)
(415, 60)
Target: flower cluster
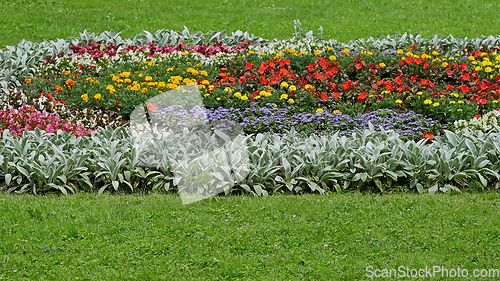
(485, 123)
(27, 118)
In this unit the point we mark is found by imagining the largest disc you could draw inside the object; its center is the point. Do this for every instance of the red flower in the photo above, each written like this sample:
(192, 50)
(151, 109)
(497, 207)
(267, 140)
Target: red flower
(151, 106)
(418, 61)
(323, 96)
(482, 101)
(464, 88)
(463, 66)
(358, 66)
(477, 116)
(249, 66)
(428, 136)
(362, 96)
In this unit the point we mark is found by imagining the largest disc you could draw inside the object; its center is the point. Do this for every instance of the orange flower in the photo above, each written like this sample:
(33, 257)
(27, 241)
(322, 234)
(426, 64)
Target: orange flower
(428, 136)
(59, 89)
(70, 83)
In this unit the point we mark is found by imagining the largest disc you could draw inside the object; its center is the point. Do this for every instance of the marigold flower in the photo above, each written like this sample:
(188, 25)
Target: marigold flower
(85, 97)
(97, 96)
(435, 53)
(70, 83)
(148, 79)
(144, 90)
(333, 58)
(251, 52)
(400, 52)
(317, 52)
(382, 65)
(27, 80)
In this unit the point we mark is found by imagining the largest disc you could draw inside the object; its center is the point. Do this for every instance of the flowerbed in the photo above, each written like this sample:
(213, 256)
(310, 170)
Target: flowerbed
(304, 86)
(313, 79)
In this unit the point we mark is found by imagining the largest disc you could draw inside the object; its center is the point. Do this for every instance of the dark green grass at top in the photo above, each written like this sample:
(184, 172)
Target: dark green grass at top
(309, 237)
(343, 20)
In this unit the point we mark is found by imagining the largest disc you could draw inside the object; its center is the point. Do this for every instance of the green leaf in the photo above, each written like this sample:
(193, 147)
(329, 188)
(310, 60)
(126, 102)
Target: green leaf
(115, 184)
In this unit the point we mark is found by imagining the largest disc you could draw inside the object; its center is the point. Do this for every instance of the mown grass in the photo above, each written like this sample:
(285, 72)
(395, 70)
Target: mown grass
(331, 237)
(36, 20)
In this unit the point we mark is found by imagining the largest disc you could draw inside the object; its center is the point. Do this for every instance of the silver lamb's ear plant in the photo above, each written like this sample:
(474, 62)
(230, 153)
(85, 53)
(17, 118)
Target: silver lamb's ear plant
(205, 158)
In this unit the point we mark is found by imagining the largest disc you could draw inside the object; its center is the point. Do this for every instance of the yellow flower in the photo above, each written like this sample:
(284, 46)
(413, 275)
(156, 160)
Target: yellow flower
(435, 53)
(170, 69)
(382, 65)
(278, 55)
(337, 112)
(333, 58)
(409, 54)
(445, 64)
(329, 48)
(479, 68)
(494, 101)
(346, 51)
(238, 95)
(461, 101)
(144, 90)
(471, 58)
(263, 54)
(291, 101)
(483, 54)
(251, 52)
(204, 73)
(140, 75)
(488, 69)
(124, 74)
(309, 87)
(148, 79)
(319, 110)
(399, 101)
(459, 109)
(302, 53)
(400, 52)
(161, 85)
(227, 89)
(264, 93)
(127, 81)
(85, 97)
(27, 80)
(292, 88)
(435, 104)
(284, 84)
(244, 97)
(184, 53)
(452, 102)
(217, 98)
(419, 93)
(284, 96)
(317, 52)
(427, 101)
(97, 96)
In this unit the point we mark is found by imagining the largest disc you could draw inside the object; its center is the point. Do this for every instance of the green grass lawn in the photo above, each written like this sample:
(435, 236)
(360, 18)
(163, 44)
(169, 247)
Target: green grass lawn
(310, 237)
(341, 20)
